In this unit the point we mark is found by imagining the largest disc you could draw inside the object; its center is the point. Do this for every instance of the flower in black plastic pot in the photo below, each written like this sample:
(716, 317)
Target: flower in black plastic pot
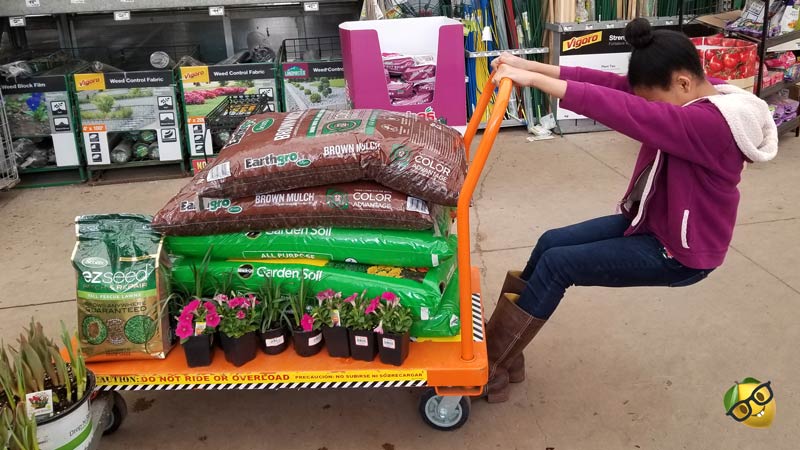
(395, 321)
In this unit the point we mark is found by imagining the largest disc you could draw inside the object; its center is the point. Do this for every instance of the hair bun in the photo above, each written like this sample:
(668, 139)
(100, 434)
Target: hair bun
(639, 33)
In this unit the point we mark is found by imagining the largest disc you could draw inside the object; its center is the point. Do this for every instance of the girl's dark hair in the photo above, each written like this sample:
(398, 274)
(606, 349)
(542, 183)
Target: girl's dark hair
(657, 54)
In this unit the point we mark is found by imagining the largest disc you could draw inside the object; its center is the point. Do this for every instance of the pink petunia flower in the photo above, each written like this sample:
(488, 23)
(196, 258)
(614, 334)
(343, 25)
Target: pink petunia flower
(221, 298)
(210, 307)
(251, 301)
(184, 330)
(192, 306)
(373, 305)
(212, 319)
(390, 298)
(186, 316)
(307, 322)
(236, 302)
(241, 315)
(379, 328)
(351, 299)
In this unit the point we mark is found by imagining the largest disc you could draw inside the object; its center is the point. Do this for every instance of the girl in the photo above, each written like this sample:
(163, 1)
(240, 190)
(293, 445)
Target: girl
(676, 219)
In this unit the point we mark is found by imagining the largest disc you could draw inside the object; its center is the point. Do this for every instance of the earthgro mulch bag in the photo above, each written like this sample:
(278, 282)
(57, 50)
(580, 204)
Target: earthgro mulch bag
(420, 289)
(274, 152)
(382, 247)
(356, 205)
(123, 286)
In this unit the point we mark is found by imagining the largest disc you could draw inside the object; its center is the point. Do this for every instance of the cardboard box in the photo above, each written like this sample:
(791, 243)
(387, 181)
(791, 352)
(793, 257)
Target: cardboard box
(364, 41)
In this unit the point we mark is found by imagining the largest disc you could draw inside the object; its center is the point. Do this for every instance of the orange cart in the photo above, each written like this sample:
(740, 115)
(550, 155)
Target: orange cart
(452, 372)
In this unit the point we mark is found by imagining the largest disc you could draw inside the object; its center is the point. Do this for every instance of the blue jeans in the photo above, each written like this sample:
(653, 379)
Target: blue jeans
(595, 253)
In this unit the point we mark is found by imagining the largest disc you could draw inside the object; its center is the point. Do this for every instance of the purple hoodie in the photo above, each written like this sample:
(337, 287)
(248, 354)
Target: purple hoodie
(684, 185)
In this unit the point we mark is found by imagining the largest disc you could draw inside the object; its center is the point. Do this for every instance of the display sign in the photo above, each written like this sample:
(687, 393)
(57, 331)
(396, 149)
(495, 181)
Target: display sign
(216, 10)
(16, 21)
(301, 85)
(39, 109)
(206, 87)
(128, 116)
(311, 6)
(122, 15)
(604, 50)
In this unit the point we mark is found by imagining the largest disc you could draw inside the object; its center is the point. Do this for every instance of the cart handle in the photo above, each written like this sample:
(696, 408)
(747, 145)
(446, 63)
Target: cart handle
(465, 198)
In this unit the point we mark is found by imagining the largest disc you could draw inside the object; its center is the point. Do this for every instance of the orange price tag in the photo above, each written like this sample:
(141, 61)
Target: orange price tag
(200, 164)
(194, 120)
(101, 128)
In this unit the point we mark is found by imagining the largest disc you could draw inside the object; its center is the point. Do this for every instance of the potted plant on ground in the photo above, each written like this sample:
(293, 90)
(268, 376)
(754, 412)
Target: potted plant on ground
(239, 321)
(46, 398)
(331, 313)
(196, 326)
(362, 318)
(394, 323)
(306, 334)
(273, 336)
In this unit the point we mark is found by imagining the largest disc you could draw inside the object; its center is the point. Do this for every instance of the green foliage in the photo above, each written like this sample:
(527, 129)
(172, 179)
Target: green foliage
(299, 304)
(361, 316)
(41, 113)
(273, 304)
(238, 319)
(315, 98)
(325, 93)
(223, 83)
(103, 102)
(307, 91)
(329, 305)
(395, 318)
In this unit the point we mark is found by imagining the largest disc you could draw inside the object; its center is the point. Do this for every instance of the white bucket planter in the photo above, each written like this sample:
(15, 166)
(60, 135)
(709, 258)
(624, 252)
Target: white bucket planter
(71, 429)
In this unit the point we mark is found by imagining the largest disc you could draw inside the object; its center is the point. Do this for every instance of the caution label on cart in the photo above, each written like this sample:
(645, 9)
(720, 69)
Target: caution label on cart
(365, 376)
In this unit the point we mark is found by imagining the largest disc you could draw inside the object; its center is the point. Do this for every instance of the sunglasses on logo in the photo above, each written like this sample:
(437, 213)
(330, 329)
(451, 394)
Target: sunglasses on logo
(742, 410)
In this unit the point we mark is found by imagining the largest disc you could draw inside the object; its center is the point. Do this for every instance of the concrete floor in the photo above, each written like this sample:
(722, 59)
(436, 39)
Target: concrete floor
(613, 369)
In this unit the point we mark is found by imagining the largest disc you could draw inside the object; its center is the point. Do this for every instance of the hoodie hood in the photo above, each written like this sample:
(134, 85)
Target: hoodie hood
(750, 121)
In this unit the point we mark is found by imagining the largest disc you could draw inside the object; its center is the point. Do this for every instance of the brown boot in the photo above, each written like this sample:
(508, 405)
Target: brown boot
(513, 284)
(509, 331)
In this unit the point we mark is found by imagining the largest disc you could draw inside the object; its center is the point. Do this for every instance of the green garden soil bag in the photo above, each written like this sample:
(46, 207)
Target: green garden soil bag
(417, 288)
(123, 286)
(444, 322)
(275, 152)
(365, 246)
(350, 205)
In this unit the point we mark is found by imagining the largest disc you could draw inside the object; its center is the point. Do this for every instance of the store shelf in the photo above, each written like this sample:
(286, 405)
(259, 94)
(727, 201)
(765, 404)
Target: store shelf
(789, 126)
(567, 27)
(132, 164)
(19, 8)
(775, 88)
(46, 169)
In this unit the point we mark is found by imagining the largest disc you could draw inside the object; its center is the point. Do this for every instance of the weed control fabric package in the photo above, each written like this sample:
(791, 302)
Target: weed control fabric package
(123, 286)
(420, 289)
(274, 152)
(380, 247)
(356, 205)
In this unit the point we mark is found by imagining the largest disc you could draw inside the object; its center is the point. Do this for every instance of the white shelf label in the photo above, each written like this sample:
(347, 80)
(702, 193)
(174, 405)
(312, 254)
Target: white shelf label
(16, 21)
(32, 3)
(311, 6)
(126, 1)
(122, 15)
(216, 10)
(78, 2)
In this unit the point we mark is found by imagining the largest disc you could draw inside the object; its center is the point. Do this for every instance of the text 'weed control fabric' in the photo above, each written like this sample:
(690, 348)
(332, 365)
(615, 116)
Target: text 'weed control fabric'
(420, 289)
(123, 287)
(381, 247)
(280, 151)
(355, 205)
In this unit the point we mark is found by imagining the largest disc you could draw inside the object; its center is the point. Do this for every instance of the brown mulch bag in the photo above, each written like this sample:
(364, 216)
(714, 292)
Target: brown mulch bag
(280, 151)
(352, 205)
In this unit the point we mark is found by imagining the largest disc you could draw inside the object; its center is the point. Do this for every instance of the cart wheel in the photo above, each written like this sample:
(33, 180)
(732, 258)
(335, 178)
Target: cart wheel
(119, 410)
(444, 413)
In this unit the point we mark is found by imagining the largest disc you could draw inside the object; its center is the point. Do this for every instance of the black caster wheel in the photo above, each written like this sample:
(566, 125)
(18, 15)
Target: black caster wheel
(119, 410)
(444, 413)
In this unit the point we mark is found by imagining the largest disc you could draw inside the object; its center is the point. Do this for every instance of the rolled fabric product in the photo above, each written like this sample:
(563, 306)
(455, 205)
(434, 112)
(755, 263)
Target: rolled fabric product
(399, 90)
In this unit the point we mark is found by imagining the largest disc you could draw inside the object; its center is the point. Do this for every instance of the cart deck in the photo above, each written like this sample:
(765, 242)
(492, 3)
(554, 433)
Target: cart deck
(454, 370)
(431, 364)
